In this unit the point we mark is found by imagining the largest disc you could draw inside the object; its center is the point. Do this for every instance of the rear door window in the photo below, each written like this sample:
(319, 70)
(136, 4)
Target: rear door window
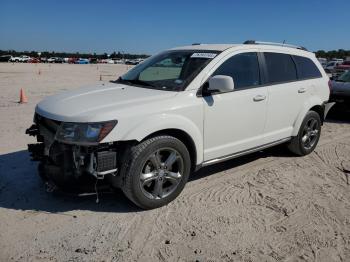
(280, 68)
(306, 68)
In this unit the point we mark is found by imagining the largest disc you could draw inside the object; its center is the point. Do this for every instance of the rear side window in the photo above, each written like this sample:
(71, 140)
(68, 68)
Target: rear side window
(243, 68)
(306, 68)
(280, 68)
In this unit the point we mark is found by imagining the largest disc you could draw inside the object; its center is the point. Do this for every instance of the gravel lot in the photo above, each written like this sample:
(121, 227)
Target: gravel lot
(269, 206)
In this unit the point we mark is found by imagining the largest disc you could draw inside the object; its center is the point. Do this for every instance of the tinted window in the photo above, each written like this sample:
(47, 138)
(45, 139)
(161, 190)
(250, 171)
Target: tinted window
(306, 68)
(280, 67)
(243, 68)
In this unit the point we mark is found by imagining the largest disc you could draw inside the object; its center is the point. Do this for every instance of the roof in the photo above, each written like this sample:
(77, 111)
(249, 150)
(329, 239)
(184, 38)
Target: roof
(222, 47)
(213, 47)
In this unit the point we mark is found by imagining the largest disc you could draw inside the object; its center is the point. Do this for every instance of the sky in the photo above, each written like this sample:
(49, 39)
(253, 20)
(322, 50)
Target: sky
(136, 26)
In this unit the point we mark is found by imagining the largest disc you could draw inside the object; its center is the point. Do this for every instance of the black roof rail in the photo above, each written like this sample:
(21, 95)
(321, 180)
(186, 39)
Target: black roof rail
(253, 42)
(196, 44)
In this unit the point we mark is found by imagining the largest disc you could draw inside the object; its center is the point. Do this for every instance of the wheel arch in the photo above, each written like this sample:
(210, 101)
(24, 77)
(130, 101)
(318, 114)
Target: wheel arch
(319, 109)
(314, 104)
(183, 137)
(181, 127)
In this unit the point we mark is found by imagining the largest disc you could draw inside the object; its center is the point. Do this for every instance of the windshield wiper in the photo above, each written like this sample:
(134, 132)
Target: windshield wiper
(135, 81)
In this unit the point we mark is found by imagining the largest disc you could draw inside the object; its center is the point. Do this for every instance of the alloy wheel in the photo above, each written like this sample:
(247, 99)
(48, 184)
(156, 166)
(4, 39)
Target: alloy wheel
(310, 133)
(161, 173)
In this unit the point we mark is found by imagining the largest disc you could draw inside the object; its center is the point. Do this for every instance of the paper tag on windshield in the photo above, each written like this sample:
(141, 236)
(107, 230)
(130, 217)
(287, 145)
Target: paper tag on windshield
(203, 55)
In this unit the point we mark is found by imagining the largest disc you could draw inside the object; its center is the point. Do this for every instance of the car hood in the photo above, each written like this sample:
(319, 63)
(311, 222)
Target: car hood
(101, 102)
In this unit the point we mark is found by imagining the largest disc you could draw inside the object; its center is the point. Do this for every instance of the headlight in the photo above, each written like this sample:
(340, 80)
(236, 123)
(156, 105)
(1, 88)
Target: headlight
(84, 133)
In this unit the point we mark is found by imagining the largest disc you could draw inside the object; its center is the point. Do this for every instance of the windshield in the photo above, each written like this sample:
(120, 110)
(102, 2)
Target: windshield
(171, 70)
(344, 77)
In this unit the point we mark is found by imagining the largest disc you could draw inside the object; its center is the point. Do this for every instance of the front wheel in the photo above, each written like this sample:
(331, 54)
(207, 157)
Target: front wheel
(155, 171)
(309, 134)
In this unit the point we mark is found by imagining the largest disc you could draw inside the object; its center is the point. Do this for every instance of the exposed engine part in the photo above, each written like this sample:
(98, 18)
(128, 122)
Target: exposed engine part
(64, 165)
(36, 151)
(33, 130)
(97, 198)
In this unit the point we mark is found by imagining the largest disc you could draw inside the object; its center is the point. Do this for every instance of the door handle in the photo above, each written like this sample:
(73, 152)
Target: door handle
(302, 90)
(259, 98)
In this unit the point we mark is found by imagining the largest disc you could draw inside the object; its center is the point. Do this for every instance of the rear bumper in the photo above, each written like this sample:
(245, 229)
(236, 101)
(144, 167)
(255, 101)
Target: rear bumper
(327, 107)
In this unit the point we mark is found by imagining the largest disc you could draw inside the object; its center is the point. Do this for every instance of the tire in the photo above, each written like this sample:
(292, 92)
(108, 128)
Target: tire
(155, 171)
(308, 136)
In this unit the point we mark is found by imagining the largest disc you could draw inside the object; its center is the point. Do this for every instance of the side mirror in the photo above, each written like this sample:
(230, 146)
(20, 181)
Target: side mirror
(221, 83)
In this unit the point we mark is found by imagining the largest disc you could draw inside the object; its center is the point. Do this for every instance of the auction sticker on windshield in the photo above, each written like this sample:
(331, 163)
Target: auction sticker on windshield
(203, 55)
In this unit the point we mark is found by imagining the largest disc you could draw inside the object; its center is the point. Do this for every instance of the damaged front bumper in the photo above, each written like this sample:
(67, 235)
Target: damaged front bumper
(68, 165)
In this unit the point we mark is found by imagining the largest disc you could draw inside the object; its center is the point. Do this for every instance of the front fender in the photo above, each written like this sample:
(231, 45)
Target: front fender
(155, 123)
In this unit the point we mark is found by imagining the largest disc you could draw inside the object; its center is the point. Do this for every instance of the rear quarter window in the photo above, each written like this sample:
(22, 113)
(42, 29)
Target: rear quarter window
(306, 68)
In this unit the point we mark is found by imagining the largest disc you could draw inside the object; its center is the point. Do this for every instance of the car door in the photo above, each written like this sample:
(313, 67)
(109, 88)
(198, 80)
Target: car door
(234, 121)
(286, 95)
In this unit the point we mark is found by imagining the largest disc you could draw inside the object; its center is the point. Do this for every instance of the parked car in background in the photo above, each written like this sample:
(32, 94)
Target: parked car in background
(34, 60)
(15, 59)
(340, 89)
(118, 61)
(59, 60)
(43, 59)
(51, 59)
(82, 61)
(93, 60)
(323, 61)
(107, 61)
(131, 62)
(22, 58)
(5, 58)
(341, 68)
(180, 110)
(72, 60)
(341, 60)
(331, 66)
(55, 60)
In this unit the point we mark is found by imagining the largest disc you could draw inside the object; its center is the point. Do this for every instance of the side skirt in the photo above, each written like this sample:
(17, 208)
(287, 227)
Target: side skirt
(244, 152)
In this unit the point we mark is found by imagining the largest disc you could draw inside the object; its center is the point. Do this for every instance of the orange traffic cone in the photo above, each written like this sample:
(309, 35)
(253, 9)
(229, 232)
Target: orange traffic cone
(22, 97)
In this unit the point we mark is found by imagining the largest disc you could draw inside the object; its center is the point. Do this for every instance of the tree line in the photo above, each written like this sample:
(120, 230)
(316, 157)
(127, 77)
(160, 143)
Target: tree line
(340, 53)
(116, 55)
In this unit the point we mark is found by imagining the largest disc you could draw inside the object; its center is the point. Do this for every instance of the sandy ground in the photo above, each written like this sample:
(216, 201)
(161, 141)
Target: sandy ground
(269, 206)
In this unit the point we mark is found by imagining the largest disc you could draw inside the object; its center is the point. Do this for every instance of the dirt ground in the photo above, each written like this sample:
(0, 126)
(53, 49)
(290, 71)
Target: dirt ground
(269, 206)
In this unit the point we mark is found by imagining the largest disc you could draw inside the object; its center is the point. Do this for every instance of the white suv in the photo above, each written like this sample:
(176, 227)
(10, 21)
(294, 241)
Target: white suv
(177, 111)
(22, 58)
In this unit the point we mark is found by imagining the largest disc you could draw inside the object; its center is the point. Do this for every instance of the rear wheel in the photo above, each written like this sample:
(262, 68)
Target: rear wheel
(155, 171)
(309, 134)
